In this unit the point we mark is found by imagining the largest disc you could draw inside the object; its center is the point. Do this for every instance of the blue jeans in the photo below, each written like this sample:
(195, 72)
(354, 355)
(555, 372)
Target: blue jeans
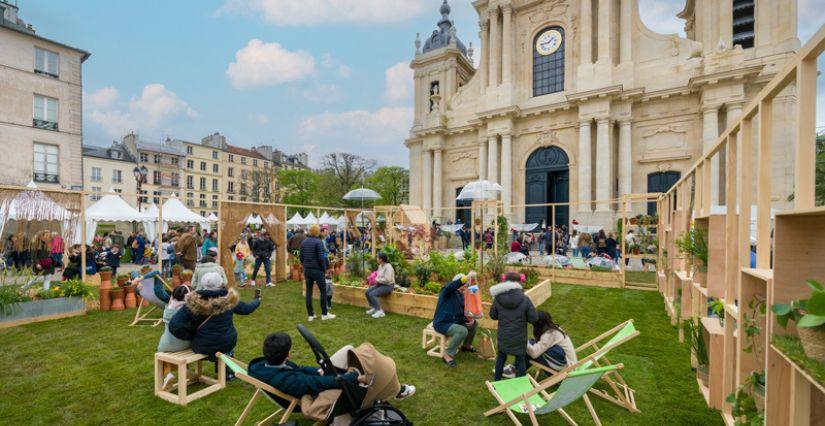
(267, 268)
(315, 277)
(501, 358)
(585, 252)
(376, 291)
(576, 252)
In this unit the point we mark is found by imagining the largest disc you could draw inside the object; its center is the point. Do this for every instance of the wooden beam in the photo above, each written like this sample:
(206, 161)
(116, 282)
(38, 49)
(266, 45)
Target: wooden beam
(805, 167)
(763, 186)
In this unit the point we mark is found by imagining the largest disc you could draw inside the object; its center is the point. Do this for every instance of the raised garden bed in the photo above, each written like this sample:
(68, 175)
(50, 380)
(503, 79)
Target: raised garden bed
(42, 310)
(423, 306)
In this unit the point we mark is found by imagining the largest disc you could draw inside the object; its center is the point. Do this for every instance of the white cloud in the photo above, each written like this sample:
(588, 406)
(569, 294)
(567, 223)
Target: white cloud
(155, 108)
(371, 134)
(399, 83)
(261, 118)
(288, 13)
(326, 93)
(326, 60)
(660, 16)
(268, 64)
(344, 71)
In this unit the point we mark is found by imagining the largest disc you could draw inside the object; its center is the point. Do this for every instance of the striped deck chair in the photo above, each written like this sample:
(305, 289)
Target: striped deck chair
(578, 263)
(622, 394)
(524, 395)
(150, 301)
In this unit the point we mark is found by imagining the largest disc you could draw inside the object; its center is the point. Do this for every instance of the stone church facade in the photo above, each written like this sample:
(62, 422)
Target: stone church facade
(579, 101)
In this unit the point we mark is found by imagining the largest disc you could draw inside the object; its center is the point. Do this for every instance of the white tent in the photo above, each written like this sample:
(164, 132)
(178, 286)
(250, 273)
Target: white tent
(112, 208)
(253, 219)
(33, 205)
(212, 217)
(326, 219)
(295, 220)
(151, 227)
(524, 227)
(310, 219)
(175, 211)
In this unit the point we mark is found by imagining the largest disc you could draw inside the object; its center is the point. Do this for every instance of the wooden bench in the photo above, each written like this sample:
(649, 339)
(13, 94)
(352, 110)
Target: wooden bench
(182, 360)
(438, 341)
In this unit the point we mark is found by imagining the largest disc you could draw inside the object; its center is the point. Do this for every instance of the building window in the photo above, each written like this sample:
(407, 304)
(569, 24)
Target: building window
(96, 195)
(243, 188)
(189, 195)
(266, 164)
(203, 184)
(215, 187)
(45, 113)
(189, 150)
(176, 179)
(190, 183)
(156, 159)
(231, 198)
(156, 177)
(214, 155)
(175, 161)
(548, 61)
(743, 23)
(156, 199)
(230, 172)
(231, 158)
(96, 174)
(46, 163)
(144, 157)
(46, 62)
(190, 164)
(203, 166)
(230, 187)
(118, 190)
(117, 176)
(244, 174)
(243, 160)
(215, 168)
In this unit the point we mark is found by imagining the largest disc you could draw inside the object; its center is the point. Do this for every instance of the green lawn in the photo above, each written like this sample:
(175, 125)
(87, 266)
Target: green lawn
(94, 369)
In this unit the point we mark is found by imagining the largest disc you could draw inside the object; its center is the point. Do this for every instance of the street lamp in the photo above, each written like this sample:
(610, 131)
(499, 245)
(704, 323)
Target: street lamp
(140, 176)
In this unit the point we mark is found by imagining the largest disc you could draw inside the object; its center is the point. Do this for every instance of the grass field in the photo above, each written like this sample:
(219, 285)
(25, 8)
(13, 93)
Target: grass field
(95, 370)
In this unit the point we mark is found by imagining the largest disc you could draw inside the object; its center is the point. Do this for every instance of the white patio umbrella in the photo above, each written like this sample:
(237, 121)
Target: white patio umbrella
(480, 190)
(361, 194)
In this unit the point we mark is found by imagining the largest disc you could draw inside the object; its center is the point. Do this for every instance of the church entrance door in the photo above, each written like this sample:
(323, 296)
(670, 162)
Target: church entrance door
(547, 181)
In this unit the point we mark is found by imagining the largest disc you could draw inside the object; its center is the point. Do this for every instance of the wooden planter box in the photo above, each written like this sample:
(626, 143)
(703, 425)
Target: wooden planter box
(423, 306)
(43, 310)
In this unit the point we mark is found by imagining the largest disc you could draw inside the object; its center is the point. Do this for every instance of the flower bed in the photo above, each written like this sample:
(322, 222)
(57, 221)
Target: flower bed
(42, 310)
(421, 305)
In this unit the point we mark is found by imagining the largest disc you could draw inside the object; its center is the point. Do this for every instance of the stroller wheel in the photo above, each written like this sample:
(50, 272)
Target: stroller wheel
(380, 414)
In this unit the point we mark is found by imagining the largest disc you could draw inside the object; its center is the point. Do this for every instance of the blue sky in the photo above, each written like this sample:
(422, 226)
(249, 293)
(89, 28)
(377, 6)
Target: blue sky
(302, 75)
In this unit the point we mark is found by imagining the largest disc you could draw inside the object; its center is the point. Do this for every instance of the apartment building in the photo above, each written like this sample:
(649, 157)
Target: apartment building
(202, 172)
(162, 163)
(108, 169)
(281, 160)
(41, 91)
(248, 176)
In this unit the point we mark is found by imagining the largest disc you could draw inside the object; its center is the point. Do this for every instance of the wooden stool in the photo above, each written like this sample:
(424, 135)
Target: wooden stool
(438, 341)
(182, 359)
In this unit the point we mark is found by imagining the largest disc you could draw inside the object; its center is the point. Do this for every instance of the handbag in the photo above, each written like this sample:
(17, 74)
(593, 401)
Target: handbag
(486, 347)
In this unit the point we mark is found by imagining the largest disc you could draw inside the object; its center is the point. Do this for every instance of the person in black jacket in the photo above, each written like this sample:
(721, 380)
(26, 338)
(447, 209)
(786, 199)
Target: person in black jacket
(314, 260)
(451, 320)
(262, 248)
(513, 310)
(207, 317)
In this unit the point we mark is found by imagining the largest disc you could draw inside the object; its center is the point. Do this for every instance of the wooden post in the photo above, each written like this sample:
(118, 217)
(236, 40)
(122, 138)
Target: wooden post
(706, 187)
(374, 223)
(805, 167)
(763, 186)
(553, 221)
(495, 231)
(622, 266)
(160, 233)
(472, 227)
(83, 237)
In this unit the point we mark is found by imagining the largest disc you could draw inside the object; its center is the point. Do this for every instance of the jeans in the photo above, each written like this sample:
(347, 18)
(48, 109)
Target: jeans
(541, 247)
(501, 358)
(375, 292)
(57, 259)
(460, 334)
(267, 268)
(315, 276)
(576, 252)
(585, 252)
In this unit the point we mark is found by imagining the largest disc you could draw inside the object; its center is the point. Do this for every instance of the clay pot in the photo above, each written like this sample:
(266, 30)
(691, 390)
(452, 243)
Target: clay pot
(105, 279)
(175, 281)
(185, 278)
(105, 299)
(813, 342)
(117, 299)
(129, 299)
(121, 281)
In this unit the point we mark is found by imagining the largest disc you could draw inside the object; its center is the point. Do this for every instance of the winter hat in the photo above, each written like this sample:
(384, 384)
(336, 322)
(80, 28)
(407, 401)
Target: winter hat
(212, 251)
(211, 281)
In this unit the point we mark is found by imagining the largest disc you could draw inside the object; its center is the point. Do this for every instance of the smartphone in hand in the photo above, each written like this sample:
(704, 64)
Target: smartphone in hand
(257, 293)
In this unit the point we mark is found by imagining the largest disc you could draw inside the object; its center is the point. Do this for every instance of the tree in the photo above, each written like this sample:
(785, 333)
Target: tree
(393, 183)
(297, 186)
(350, 170)
(262, 185)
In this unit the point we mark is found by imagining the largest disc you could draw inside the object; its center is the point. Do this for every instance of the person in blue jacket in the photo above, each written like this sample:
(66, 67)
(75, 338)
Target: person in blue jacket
(451, 320)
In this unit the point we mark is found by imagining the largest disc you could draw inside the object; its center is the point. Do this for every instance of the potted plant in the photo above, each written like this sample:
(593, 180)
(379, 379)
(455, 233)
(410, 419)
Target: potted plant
(716, 309)
(122, 279)
(809, 316)
(743, 402)
(634, 248)
(186, 277)
(296, 269)
(106, 277)
(694, 243)
(129, 299)
(693, 331)
(117, 298)
(176, 270)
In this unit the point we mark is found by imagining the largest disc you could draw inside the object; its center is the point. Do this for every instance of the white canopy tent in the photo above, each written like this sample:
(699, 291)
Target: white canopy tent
(112, 208)
(296, 219)
(174, 211)
(253, 219)
(33, 205)
(151, 227)
(212, 217)
(326, 219)
(310, 219)
(524, 227)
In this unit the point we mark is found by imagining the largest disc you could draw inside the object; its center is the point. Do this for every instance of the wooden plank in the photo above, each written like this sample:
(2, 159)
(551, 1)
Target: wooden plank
(42, 318)
(778, 389)
(763, 186)
(805, 167)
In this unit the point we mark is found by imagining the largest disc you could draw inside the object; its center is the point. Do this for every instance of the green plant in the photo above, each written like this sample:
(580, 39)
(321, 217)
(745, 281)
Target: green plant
(10, 296)
(805, 313)
(744, 409)
(495, 267)
(695, 244)
(717, 307)
(432, 287)
(106, 269)
(750, 324)
(75, 288)
(503, 233)
(531, 276)
(693, 332)
(422, 269)
(446, 267)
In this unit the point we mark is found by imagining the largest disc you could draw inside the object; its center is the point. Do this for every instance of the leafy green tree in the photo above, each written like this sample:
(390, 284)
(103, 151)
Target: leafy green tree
(393, 183)
(297, 187)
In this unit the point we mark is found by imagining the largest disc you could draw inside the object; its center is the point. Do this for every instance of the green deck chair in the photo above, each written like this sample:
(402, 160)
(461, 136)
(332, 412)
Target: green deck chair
(578, 263)
(523, 395)
(622, 394)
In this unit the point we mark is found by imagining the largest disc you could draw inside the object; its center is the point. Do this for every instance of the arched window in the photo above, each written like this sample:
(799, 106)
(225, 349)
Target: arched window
(548, 61)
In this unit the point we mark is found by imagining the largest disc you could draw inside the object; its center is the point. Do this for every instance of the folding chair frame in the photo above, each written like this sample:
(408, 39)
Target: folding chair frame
(624, 395)
(141, 316)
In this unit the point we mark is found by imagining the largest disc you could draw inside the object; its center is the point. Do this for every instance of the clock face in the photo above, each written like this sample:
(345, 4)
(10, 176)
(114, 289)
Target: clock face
(549, 42)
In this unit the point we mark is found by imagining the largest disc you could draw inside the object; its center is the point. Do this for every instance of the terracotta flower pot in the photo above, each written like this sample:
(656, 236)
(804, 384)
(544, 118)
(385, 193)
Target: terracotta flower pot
(175, 280)
(121, 281)
(813, 342)
(185, 279)
(105, 299)
(129, 299)
(117, 299)
(105, 279)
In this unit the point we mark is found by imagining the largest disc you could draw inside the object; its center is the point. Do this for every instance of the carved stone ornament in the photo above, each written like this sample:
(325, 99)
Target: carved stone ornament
(462, 156)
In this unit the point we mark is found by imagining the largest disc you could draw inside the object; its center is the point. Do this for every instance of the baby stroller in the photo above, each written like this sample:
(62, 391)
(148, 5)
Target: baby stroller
(381, 413)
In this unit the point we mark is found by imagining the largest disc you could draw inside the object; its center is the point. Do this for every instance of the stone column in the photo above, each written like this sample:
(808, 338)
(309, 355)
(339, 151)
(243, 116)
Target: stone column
(506, 173)
(604, 163)
(586, 39)
(495, 46)
(625, 158)
(625, 35)
(605, 27)
(710, 132)
(492, 159)
(437, 212)
(427, 181)
(482, 159)
(507, 41)
(485, 53)
(584, 165)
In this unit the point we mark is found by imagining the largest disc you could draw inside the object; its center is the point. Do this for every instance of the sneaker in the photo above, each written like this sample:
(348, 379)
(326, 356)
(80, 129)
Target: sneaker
(379, 314)
(311, 318)
(451, 363)
(167, 381)
(406, 392)
(252, 283)
(371, 311)
(327, 317)
(509, 371)
(270, 285)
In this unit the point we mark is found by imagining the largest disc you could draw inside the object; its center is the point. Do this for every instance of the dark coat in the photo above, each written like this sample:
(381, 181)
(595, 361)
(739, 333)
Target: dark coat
(295, 241)
(206, 320)
(262, 248)
(294, 380)
(450, 307)
(513, 310)
(312, 254)
(112, 259)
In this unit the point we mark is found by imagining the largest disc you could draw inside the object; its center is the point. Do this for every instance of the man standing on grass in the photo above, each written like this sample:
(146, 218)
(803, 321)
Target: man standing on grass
(262, 249)
(186, 249)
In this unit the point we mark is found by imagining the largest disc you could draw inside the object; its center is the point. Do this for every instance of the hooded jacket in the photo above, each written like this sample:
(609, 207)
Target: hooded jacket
(295, 380)
(513, 310)
(207, 320)
(450, 307)
(204, 268)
